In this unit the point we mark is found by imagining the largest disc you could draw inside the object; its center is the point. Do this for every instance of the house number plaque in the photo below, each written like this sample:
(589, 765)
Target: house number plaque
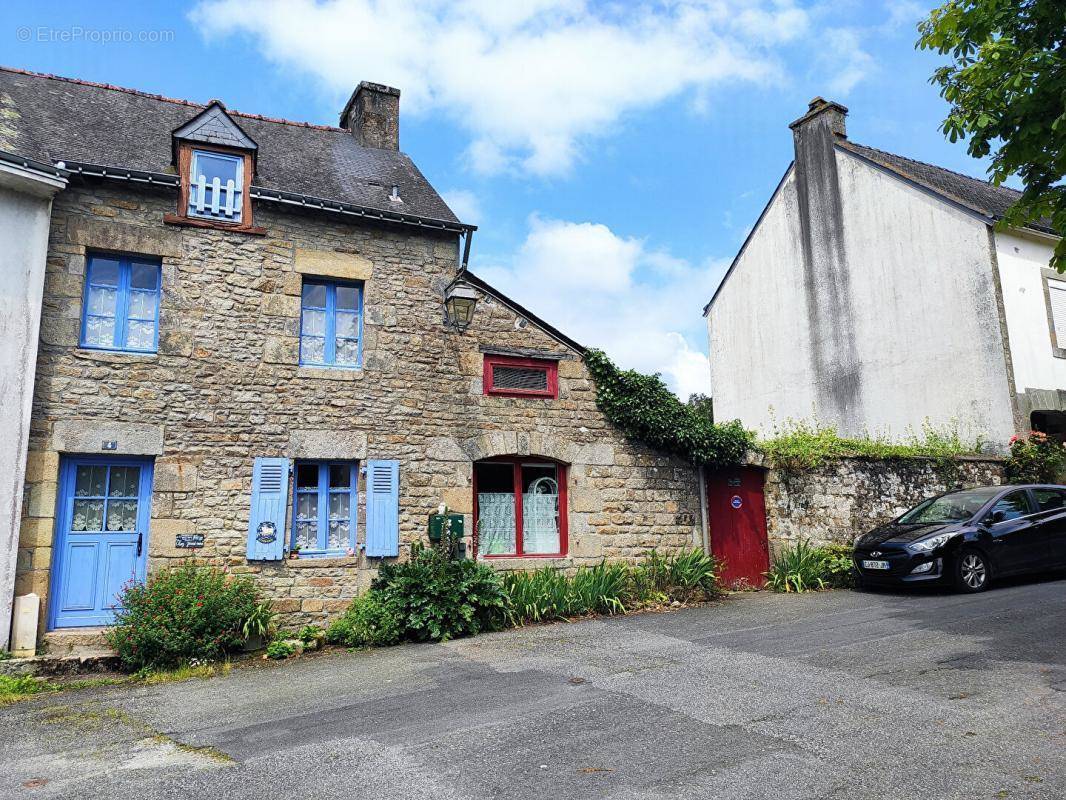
(188, 540)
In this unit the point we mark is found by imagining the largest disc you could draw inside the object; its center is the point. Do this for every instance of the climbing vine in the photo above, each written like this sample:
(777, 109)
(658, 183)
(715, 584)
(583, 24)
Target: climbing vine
(643, 408)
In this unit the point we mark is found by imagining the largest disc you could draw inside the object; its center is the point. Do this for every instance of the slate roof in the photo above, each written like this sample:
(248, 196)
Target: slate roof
(971, 193)
(214, 126)
(50, 118)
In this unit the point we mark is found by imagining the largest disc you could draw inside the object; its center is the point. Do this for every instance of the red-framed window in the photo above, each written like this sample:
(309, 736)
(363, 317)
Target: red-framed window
(521, 377)
(520, 507)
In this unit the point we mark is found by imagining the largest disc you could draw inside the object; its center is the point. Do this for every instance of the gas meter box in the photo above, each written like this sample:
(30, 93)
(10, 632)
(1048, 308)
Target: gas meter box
(442, 524)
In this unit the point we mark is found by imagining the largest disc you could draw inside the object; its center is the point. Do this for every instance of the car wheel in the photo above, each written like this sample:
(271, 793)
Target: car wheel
(971, 571)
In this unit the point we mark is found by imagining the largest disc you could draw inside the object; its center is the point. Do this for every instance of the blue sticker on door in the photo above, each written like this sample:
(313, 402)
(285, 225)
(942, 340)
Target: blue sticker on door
(101, 538)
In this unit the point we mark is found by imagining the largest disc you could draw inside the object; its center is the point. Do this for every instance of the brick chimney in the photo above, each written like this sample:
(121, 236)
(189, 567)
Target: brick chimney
(372, 114)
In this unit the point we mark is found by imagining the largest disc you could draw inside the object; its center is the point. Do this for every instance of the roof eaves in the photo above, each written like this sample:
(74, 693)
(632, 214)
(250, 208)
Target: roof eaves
(548, 328)
(350, 209)
(33, 165)
(118, 173)
(269, 195)
(748, 238)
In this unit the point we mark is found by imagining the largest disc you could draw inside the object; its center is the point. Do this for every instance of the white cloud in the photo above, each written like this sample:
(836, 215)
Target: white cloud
(642, 306)
(532, 82)
(904, 14)
(844, 60)
(464, 204)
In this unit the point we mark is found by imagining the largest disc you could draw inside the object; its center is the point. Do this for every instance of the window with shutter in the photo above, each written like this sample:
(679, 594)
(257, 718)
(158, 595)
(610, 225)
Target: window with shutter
(1057, 298)
(521, 377)
(323, 507)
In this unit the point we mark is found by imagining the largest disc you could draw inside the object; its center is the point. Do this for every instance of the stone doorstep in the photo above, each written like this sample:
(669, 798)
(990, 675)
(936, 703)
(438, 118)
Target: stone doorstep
(75, 642)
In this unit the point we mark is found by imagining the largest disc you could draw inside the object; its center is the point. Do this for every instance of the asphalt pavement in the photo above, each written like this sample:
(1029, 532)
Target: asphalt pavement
(831, 695)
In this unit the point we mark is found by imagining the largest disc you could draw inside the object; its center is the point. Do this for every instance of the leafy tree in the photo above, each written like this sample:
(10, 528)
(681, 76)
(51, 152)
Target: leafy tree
(1006, 84)
(703, 404)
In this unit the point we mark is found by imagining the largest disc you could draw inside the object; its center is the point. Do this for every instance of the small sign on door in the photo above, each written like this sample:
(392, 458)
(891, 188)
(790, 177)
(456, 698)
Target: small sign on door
(735, 501)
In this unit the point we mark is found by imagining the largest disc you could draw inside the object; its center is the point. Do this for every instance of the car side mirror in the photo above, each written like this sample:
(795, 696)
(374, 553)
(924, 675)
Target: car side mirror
(997, 517)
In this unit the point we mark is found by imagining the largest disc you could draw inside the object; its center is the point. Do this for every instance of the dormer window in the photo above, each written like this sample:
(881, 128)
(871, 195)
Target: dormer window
(216, 186)
(216, 161)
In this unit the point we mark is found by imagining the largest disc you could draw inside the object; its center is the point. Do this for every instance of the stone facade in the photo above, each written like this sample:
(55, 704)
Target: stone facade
(226, 387)
(845, 498)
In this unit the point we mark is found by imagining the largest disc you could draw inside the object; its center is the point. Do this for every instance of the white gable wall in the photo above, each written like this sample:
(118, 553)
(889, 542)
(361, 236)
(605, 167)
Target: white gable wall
(1022, 261)
(927, 318)
(923, 317)
(759, 354)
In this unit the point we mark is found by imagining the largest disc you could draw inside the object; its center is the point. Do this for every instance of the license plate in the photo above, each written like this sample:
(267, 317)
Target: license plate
(875, 564)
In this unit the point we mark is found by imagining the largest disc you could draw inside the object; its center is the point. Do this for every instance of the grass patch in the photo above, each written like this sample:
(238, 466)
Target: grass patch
(20, 687)
(186, 672)
(801, 445)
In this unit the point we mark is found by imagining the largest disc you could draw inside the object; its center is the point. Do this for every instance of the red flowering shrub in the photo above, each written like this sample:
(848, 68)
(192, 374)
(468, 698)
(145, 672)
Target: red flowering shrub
(181, 614)
(1036, 458)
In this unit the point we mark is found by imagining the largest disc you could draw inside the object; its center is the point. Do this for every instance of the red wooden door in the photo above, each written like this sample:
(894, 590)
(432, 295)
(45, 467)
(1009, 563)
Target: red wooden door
(737, 513)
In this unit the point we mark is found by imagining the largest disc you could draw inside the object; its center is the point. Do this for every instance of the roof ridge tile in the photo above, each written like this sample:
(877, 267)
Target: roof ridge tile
(165, 99)
(987, 183)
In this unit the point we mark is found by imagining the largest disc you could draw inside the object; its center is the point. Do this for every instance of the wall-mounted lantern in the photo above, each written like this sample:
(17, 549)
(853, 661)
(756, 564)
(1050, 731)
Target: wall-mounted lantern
(459, 302)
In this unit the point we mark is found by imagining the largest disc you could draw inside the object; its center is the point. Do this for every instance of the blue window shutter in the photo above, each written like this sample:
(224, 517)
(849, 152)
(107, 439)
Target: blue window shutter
(382, 508)
(270, 498)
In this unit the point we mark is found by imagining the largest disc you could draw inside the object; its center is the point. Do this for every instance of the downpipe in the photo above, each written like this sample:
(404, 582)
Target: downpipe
(704, 527)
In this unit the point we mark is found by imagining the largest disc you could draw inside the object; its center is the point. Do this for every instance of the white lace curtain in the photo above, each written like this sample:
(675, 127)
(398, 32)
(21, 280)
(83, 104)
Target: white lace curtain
(496, 520)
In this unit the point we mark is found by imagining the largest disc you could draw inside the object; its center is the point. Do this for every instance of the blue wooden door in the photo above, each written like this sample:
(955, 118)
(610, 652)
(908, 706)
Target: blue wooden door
(101, 540)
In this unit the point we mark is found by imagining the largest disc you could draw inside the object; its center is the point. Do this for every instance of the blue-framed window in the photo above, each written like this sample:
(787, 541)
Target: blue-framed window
(216, 184)
(120, 309)
(331, 324)
(324, 507)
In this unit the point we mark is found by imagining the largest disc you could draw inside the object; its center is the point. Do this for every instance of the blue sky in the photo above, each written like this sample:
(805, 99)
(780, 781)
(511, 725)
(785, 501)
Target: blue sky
(614, 155)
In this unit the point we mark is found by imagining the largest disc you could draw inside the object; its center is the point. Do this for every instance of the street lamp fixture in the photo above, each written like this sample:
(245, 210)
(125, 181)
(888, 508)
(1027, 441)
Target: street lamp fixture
(459, 302)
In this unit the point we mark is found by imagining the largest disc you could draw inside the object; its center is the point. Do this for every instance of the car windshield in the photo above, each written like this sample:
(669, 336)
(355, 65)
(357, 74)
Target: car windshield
(953, 507)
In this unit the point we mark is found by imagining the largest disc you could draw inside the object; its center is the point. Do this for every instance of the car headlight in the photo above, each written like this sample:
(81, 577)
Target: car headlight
(930, 544)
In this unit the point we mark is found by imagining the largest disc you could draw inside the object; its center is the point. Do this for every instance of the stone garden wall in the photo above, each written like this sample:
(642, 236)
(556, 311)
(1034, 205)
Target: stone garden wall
(844, 498)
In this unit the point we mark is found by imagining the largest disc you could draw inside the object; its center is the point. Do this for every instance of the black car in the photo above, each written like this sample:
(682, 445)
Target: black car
(967, 538)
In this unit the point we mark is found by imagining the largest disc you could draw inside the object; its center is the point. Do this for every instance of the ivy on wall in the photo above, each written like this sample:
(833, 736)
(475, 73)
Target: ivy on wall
(643, 408)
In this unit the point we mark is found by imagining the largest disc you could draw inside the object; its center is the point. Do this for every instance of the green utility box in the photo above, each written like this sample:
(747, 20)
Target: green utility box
(441, 524)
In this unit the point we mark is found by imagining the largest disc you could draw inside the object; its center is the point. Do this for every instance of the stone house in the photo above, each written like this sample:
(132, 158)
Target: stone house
(258, 338)
(875, 294)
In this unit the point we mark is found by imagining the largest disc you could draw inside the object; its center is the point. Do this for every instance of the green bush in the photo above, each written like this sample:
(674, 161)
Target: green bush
(803, 567)
(1035, 458)
(189, 612)
(279, 650)
(439, 598)
(839, 567)
(370, 621)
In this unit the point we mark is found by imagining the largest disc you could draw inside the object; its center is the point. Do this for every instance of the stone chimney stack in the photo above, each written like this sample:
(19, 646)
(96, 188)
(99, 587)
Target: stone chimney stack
(825, 114)
(826, 269)
(372, 114)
